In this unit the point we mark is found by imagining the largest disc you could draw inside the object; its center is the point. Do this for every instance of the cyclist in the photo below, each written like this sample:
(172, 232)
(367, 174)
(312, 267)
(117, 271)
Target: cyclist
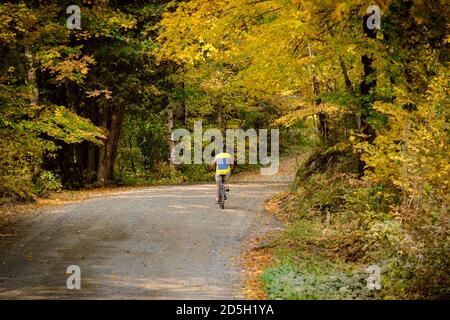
(224, 163)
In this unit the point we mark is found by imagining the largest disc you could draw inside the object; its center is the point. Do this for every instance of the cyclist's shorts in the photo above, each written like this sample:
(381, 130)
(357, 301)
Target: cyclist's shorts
(218, 177)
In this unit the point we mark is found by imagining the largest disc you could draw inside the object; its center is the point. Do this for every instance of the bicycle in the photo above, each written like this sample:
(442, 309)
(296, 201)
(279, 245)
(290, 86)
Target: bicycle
(222, 192)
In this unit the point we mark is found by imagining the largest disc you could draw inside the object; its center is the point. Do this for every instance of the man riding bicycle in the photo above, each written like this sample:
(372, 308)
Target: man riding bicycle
(224, 164)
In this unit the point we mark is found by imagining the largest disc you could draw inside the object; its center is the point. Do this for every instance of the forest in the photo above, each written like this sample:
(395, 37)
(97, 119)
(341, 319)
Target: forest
(365, 98)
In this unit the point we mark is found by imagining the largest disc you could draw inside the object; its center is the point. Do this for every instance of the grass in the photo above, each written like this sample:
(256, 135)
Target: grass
(302, 268)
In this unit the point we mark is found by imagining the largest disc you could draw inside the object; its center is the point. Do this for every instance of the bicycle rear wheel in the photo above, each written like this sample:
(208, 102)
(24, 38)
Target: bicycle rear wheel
(222, 192)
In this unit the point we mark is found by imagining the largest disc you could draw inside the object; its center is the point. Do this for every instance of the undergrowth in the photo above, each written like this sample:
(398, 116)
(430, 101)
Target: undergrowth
(339, 225)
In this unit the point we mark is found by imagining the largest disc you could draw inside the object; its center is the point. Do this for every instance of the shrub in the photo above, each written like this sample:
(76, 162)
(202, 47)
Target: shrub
(46, 181)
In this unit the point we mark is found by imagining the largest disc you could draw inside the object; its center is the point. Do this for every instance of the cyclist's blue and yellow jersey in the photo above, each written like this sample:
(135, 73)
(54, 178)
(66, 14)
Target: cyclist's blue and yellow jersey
(223, 163)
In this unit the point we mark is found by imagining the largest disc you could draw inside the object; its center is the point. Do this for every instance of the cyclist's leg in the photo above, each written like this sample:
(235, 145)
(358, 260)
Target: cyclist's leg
(223, 186)
(217, 186)
(226, 178)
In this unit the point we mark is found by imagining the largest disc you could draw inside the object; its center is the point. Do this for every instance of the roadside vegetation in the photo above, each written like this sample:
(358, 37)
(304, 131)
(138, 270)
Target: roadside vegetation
(339, 225)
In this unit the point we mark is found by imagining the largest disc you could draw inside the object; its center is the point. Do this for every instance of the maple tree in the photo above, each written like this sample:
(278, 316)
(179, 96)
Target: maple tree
(71, 89)
(95, 105)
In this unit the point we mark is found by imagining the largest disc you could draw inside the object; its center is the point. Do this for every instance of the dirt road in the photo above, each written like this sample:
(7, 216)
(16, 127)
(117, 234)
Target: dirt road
(169, 242)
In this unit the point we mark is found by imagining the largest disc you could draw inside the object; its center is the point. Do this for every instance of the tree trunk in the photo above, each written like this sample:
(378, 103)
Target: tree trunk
(108, 151)
(322, 124)
(170, 142)
(31, 77)
(93, 149)
(368, 83)
(219, 116)
(130, 145)
(91, 165)
(348, 83)
(101, 168)
(186, 116)
(113, 142)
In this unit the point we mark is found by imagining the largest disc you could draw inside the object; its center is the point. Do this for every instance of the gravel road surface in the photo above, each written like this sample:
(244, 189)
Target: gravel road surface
(169, 242)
